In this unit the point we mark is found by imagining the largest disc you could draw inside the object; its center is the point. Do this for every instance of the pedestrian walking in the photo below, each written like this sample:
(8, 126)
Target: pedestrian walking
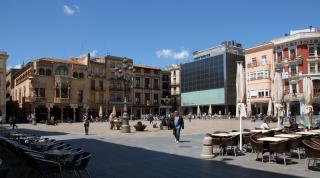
(190, 116)
(13, 122)
(86, 124)
(178, 124)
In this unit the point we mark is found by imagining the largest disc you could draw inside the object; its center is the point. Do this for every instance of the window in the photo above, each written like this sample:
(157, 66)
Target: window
(279, 56)
(266, 74)
(254, 61)
(311, 50)
(137, 98)
(93, 85)
(147, 71)
(293, 70)
(101, 71)
(156, 83)
(292, 54)
(147, 83)
(260, 74)
(81, 75)
(62, 70)
(318, 51)
(156, 72)
(40, 92)
(267, 93)
(264, 60)
(41, 71)
(147, 99)
(294, 88)
(75, 75)
(48, 72)
(137, 82)
(261, 93)
(312, 67)
(155, 99)
(101, 85)
(62, 91)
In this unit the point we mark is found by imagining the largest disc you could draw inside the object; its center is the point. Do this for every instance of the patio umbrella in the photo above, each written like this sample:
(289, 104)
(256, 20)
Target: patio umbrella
(198, 111)
(269, 108)
(308, 99)
(277, 95)
(114, 110)
(210, 110)
(240, 88)
(249, 108)
(100, 111)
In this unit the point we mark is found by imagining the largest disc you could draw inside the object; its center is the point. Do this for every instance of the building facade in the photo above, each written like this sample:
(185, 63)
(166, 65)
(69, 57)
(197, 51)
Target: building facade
(117, 92)
(259, 71)
(3, 68)
(297, 57)
(52, 87)
(210, 79)
(146, 90)
(165, 92)
(175, 83)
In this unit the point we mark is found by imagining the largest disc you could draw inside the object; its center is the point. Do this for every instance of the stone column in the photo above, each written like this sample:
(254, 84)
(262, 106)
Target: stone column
(74, 107)
(49, 106)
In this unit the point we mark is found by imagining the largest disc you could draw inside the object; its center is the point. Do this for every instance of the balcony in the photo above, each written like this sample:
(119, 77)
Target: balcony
(61, 100)
(293, 97)
(175, 83)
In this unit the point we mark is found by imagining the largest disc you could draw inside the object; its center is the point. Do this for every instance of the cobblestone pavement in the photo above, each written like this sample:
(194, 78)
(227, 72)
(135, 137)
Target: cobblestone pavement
(155, 154)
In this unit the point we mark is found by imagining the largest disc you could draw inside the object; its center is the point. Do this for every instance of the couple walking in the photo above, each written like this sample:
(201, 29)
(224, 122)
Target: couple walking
(177, 124)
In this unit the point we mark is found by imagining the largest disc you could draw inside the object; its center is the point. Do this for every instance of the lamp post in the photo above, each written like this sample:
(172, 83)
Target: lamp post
(124, 74)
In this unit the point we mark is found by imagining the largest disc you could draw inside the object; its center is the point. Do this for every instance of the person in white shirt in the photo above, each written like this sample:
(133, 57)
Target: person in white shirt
(264, 125)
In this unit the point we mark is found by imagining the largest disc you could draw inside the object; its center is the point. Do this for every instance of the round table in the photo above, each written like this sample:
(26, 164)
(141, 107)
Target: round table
(57, 154)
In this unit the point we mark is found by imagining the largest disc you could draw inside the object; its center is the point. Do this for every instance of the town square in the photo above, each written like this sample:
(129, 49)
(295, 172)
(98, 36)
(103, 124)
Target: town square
(159, 89)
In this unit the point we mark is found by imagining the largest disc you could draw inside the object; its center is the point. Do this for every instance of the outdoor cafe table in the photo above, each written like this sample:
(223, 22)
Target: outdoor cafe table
(42, 145)
(230, 134)
(272, 139)
(57, 154)
(260, 131)
(308, 133)
(287, 136)
(317, 131)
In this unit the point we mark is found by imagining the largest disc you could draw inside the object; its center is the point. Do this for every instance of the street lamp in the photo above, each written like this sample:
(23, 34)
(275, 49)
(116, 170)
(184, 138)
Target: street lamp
(124, 74)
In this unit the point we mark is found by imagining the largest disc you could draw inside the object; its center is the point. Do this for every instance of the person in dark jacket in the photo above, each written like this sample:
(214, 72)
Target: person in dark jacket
(177, 124)
(86, 124)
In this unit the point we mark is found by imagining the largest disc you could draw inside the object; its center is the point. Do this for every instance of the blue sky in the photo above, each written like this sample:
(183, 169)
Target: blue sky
(151, 32)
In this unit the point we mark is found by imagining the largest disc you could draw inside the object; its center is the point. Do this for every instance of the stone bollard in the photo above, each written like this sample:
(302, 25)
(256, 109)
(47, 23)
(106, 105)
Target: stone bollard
(207, 148)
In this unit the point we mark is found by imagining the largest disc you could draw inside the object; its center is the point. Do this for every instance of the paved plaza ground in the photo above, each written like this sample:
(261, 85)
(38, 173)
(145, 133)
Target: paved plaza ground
(154, 153)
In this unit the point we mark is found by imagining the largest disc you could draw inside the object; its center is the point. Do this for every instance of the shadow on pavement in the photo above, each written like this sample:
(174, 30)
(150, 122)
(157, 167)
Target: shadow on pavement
(114, 160)
(42, 133)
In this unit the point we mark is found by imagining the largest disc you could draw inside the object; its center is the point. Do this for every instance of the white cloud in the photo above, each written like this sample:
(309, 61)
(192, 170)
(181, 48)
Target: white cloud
(168, 53)
(18, 66)
(71, 10)
(93, 53)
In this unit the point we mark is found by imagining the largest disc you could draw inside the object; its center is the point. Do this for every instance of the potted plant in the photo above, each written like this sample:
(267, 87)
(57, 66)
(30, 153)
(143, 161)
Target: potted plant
(139, 126)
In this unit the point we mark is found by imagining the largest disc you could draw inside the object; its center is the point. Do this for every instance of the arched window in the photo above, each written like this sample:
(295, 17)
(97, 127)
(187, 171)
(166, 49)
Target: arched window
(81, 75)
(62, 70)
(75, 75)
(48, 72)
(41, 71)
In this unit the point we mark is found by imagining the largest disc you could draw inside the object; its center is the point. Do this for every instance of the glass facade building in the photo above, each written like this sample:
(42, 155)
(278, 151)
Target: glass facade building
(211, 79)
(203, 74)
